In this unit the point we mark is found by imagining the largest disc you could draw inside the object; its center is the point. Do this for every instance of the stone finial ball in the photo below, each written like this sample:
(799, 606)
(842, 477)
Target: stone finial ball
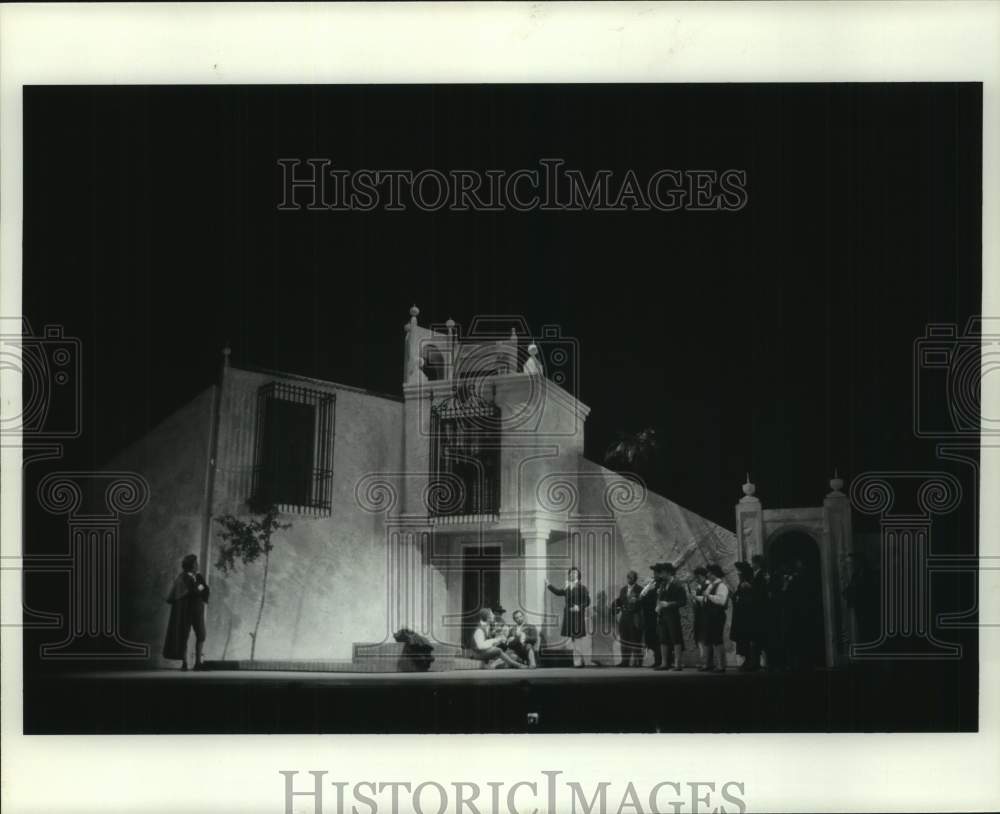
(449, 324)
(533, 349)
(749, 489)
(414, 311)
(836, 483)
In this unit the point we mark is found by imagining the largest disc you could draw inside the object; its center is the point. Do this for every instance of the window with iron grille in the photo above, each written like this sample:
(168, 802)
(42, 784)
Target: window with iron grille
(293, 467)
(465, 435)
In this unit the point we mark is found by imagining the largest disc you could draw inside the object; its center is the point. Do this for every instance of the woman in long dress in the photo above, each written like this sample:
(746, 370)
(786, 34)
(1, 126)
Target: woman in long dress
(187, 600)
(574, 621)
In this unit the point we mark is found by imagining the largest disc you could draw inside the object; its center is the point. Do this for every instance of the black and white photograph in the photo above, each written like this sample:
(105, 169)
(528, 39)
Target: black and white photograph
(546, 407)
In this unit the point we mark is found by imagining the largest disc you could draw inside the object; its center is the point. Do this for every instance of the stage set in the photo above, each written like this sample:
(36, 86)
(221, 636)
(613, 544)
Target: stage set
(469, 491)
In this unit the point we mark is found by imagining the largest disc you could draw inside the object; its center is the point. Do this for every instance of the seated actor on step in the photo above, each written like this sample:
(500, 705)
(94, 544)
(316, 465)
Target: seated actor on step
(487, 648)
(670, 597)
(522, 640)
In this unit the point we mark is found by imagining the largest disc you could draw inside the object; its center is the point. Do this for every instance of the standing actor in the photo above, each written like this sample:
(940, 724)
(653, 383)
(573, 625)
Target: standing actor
(698, 588)
(650, 633)
(670, 598)
(574, 621)
(630, 621)
(715, 600)
(187, 600)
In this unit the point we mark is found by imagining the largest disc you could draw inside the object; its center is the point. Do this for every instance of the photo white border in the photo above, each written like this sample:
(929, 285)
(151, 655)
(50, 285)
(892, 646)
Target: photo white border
(436, 43)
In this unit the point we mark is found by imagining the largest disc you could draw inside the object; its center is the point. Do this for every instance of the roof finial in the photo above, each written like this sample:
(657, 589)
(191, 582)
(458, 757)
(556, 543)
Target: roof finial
(749, 488)
(226, 353)
(414, 311)
(836, 483)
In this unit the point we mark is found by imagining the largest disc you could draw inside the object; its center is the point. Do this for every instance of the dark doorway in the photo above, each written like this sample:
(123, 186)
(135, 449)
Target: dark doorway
(480, 585)
(797, 591)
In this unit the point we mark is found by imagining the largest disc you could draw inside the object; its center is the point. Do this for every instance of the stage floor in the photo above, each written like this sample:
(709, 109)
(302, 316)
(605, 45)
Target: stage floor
(888, 697)
(549, 675)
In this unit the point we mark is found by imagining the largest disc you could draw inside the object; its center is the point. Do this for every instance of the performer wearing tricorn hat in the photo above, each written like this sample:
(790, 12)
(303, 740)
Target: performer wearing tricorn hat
(629, 621)
(670, 597)
(647, 602)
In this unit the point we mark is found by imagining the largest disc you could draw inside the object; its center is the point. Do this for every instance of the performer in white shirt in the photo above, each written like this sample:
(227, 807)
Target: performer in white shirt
(487, 648)
(715, 600)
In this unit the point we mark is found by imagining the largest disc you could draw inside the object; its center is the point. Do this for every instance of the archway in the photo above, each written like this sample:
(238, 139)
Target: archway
(796, 571)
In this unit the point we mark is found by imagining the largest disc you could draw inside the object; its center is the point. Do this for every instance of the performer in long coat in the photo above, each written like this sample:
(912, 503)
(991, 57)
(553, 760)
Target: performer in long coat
(650, 633)
(630, 621)
(188, 597)
(574, 621)
(670, 598)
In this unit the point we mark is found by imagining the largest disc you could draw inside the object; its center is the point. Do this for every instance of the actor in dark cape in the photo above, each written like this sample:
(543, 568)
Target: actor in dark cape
(630, 621)
(187, 600)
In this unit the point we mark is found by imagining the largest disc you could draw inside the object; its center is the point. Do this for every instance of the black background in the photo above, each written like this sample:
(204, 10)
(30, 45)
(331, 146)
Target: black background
(778, 339)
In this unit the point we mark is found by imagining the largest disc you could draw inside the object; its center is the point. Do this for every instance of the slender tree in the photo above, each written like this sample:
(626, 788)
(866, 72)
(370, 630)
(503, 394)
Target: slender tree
(245, 541)
(635, 453)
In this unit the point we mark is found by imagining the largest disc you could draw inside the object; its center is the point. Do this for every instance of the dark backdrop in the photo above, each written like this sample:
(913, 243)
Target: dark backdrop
(778, 339)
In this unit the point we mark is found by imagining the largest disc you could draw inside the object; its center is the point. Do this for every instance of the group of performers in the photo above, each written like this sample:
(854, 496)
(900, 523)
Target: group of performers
(649, 617)
(501, 645)
(773, 617)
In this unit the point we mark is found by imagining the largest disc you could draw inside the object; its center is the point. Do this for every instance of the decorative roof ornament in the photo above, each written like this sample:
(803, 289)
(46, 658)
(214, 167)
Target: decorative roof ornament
(749, 489)
(836, 483)
(531, 365)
